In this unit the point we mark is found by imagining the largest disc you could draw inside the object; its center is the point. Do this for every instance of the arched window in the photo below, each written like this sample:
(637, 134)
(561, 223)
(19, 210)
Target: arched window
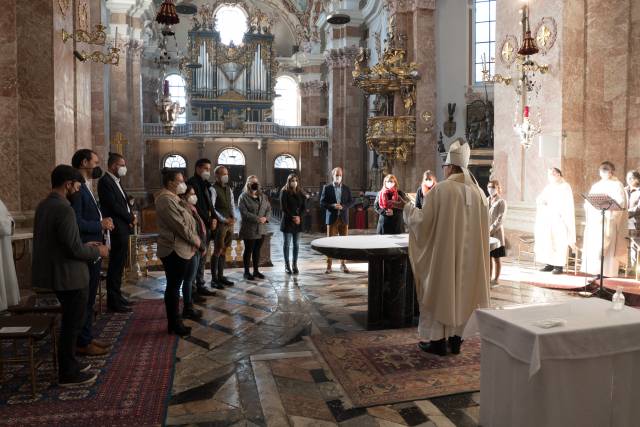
(231, 156)
(286, 105)
(178, 94)
(285, 161)
(484, 37)
(175, 161)
(231, 23)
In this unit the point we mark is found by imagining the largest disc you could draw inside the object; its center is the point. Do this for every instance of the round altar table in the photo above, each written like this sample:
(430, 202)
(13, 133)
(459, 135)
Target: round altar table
(391, 290)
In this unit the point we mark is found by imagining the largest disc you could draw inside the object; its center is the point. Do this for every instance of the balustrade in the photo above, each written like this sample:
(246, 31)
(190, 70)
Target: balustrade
(249, 130)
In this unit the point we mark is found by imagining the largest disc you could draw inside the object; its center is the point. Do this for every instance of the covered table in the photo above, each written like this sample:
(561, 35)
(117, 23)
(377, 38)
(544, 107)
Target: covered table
(583, 372)
(391, 293)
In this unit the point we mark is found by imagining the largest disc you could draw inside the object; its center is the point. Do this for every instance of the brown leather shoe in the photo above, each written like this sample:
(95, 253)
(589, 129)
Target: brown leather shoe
(91, 350)
(101, 344)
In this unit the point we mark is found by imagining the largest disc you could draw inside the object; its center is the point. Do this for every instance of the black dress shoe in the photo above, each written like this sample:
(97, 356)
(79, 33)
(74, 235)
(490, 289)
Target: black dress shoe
(248, 276)
(180, 330)
(217, 285)
(81, 378)
(287, 269)
(438, 347)
(197, 298)
(295, 269)
(455, 342)
(119, 309)
(224, 281)
(191, 313)
(258, 275)
(547, 268)
(557, 270)
(205, 292)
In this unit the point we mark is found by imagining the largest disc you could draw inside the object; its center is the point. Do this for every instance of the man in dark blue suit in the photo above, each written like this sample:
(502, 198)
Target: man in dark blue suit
(336, 199)
(114, 204)
(92, 226)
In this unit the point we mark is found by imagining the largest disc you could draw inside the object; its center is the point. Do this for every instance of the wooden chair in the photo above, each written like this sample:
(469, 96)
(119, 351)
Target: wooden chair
(39, 327)
(525, 247)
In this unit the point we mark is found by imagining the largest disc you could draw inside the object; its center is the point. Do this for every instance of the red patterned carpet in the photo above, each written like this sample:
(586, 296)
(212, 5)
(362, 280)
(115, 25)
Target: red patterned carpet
(383, 367)
(134, 380)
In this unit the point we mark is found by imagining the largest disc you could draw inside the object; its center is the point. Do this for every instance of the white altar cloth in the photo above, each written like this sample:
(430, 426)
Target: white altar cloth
(583, 373)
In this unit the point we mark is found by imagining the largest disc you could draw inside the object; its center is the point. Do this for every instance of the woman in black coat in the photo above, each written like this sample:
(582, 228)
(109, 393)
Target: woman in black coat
(292, 205)
(390, 217)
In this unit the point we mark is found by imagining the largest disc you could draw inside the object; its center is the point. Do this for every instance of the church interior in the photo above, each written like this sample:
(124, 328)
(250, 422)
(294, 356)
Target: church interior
(363, 113)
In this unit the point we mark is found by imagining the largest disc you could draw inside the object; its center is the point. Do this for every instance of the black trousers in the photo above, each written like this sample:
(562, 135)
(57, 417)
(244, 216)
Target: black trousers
(174, 269)
(117, 260)
(74, 305)
(86, 334)
(252, 252)
(203, 260)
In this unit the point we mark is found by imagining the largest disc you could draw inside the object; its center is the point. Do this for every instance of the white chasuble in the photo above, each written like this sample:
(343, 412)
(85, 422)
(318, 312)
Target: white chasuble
(555, 229)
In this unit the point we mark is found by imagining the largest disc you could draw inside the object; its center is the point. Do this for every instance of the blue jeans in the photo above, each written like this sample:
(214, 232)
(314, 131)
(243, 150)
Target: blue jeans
(189, 278)
(285, 249)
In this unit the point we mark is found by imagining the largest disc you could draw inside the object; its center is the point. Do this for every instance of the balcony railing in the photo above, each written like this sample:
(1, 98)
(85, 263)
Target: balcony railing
(248, 130)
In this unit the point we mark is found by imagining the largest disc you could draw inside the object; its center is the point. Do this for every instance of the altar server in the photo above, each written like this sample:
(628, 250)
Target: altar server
(615, 227)
(449, 253)
(555, 230)
(9, 294)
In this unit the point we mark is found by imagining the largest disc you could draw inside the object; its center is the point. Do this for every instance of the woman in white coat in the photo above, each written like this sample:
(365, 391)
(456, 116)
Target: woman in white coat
(555, 230)
(9, 294)
(615, 227)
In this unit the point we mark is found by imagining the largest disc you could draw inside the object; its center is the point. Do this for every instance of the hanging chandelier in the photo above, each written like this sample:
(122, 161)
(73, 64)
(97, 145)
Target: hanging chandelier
(168, 109)
(167, 16)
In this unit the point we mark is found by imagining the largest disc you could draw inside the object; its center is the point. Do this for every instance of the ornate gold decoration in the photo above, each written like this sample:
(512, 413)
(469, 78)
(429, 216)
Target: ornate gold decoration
(83, 16)
(508, 50)
(118, 142)
(391, 136)
(546, 33)
(64, 6)
(97, 37)
(110, 58)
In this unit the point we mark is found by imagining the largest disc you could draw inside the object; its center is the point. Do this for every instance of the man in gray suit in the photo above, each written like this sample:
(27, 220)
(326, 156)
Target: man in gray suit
(60, 264)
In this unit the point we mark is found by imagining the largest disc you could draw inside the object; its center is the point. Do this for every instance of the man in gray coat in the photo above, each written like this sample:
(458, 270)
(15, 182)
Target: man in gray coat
(60, 264)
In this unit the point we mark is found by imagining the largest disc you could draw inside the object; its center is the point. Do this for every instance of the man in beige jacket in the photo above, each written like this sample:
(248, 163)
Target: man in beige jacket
(449, 253)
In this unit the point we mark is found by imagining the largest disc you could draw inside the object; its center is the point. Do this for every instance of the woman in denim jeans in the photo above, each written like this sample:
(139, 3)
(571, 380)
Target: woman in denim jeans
(189, 200)
(292, 204)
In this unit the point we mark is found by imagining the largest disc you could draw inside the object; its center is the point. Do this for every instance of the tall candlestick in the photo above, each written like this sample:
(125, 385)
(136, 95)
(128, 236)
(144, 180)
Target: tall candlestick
(115, 43)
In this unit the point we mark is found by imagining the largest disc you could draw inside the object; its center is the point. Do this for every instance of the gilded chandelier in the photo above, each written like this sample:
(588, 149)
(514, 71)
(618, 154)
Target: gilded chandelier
(390, 135)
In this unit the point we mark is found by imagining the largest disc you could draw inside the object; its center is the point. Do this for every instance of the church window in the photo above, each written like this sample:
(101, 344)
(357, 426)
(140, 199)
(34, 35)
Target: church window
(175, 161)
(285, 161)
(231, 24)
(286, 105)
(178, 94)
(484, 37)
(231, 156)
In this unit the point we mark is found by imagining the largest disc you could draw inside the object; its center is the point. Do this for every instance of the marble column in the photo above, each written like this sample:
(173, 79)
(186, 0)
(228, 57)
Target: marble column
(347, 145)
(313, 161)
(98, 84)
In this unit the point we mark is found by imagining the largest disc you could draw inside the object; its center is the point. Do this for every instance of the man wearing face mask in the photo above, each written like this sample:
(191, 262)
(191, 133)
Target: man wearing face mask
(555, 230)
(336, 200)
(200, 182)
(615, 227)
(92, 227)
(224, 208)
(114, 204)
(60, 264)
(428, 181)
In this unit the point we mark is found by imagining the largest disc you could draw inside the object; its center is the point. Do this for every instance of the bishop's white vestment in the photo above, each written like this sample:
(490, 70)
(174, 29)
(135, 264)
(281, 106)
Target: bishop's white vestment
(9, 294)
(449, 255)
(615, 231)
(555, 229)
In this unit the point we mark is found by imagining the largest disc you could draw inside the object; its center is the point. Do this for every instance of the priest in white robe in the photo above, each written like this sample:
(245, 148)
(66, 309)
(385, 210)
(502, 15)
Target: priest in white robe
(449, 253)
(615, 227)
(9, 294)
(555, 230)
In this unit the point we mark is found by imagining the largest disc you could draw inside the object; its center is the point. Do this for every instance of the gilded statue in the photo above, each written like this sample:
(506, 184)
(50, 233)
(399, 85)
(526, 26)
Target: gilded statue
(362, 59)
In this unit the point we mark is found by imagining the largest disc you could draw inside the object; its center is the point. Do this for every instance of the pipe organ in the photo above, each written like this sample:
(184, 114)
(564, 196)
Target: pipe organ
(229, 80)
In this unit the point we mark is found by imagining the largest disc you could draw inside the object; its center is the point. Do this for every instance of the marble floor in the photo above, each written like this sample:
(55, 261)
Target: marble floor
(249, 362)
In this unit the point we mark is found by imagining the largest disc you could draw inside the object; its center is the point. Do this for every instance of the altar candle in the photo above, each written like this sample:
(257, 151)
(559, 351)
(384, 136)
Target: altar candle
(526, 111)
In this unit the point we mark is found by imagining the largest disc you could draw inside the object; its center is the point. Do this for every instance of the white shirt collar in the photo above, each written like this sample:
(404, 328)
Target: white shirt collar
(113, 176)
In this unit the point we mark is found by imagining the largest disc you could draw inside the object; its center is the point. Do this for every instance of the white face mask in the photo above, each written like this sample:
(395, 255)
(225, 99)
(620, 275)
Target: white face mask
(337, 179)
(429, 183)
(181, 188)
(122, 171)
(224, 179)
(294, 184)
(192, 199)
(492, 191)
(389, 185)
(605, 174)
(205, 175)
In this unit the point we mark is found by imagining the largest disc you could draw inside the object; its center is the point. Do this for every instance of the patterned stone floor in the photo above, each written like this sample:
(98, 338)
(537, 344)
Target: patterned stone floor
(249, 361)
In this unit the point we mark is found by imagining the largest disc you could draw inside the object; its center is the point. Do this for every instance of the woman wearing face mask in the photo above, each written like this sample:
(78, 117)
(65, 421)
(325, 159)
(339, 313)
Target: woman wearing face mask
(615, 227)
(555, 229)
(292, 203)
(497, 212)
(255, 211)
(189, 201)
(178, 242)
(428, 182)
(390, 217)
(633, 196)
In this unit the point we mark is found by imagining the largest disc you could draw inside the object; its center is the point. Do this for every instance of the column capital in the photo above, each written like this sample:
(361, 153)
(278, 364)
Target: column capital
(341, 57)
(313, 88)
(404, 6)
